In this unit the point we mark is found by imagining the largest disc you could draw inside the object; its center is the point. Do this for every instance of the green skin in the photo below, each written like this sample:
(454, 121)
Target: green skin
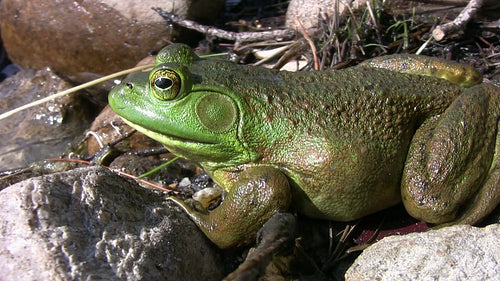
(335, 145)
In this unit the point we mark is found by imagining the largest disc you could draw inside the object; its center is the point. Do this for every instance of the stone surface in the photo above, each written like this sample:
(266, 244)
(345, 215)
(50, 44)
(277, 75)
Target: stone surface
(44, 131)
(451, 253)
(109, 127)
(89, 224)
(99, 36)
(309, 12)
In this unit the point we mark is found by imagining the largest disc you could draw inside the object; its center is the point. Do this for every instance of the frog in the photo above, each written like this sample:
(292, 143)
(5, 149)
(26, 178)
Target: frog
(334, 145)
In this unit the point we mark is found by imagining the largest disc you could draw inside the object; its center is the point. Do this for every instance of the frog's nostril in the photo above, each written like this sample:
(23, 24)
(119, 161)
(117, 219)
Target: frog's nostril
(129, 85)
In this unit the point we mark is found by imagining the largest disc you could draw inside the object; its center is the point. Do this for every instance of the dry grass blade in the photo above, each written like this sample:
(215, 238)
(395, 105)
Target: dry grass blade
(74, 89)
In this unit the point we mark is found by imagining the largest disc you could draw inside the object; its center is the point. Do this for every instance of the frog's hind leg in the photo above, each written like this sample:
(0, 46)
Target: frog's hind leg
(452, 173)
(488, 197)
(456, 73)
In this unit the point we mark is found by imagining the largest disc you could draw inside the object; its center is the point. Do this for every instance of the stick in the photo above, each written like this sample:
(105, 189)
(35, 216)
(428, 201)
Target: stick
(238, 37)
(460, 21)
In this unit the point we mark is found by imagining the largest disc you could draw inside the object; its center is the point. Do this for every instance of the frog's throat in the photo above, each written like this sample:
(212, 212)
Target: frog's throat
(168, 140)
(201, 152)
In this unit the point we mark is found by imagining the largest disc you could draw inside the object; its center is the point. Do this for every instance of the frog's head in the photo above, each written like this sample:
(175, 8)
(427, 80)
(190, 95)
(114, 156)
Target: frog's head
(171, 105)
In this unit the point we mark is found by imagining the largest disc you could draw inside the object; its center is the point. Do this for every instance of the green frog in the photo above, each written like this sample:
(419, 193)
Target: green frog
(334, 145)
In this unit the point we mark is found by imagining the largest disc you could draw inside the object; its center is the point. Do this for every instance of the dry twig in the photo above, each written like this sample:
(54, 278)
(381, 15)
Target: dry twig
(238, 37)
(460, 21)
(311, 44)
(276, 237)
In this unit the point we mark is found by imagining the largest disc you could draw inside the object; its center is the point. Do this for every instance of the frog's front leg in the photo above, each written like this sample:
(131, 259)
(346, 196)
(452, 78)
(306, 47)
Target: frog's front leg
(452, 173)
(257, 195)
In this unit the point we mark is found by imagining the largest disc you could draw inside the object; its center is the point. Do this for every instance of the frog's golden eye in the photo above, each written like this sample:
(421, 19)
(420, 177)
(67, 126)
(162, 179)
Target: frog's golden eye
(165, 84)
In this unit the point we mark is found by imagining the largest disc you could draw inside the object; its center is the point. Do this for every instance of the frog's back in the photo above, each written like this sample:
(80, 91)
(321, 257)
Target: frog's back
(347, 97)
(360, 100)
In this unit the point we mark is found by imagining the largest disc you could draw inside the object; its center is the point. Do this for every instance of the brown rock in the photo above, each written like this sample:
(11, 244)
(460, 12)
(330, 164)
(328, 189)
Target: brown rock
(100, 36)
(109, 127)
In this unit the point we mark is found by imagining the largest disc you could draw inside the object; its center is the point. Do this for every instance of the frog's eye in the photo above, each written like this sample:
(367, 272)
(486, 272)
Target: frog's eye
(166, 84)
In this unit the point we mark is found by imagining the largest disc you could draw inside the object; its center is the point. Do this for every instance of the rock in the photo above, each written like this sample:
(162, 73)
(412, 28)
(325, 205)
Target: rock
(6, 67)
(100, 36)
(109, 127)
(44, 131)
(459, 252)
(310, 12)
(90, 224)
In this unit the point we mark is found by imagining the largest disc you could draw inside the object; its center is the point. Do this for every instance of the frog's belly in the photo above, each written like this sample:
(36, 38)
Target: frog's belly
(346, 196)
(346, 207)
(345, 179)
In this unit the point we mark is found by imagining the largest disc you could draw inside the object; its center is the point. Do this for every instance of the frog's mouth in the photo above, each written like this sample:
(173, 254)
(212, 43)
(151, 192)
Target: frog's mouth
(201, 152)
(168, 139)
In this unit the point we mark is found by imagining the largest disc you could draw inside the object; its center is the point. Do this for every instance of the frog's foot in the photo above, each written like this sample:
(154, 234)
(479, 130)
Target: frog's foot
(452, 173)
(258, 194)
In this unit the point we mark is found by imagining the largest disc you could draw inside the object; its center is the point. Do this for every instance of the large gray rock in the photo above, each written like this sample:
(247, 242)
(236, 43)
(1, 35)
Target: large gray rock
(89, 224)
(452, 253)
(99, 36)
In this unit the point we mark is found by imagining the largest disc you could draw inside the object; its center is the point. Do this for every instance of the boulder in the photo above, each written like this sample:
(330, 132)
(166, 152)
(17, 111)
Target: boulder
(90, 224)
(459, 252)
(99, 36)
